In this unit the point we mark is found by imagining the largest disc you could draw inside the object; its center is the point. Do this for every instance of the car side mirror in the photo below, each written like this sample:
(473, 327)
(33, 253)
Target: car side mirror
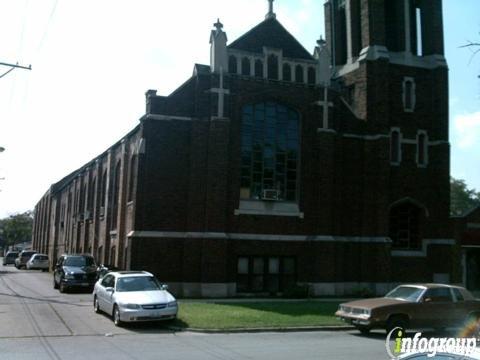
(164, 287)
(110, 290)
(427, 299)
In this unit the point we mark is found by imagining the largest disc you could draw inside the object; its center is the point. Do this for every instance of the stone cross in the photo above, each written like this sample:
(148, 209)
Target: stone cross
(270, 14)
(325, 104)
(221, 91)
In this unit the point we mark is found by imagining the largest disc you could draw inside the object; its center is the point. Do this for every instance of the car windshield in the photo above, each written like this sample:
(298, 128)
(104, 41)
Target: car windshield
(407, 293)
(79, 261)
(138, 283)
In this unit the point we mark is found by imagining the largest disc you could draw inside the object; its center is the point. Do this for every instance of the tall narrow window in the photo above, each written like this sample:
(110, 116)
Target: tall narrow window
(311, 76)
(395, 147)
(272, 67)
(287, 72)
(418, 19)
(404, 227)
(270, 152)
(299, 74)
(131, 178)
(115, 195)
(259, 68)
(422, 149)
(232, 64)
(409, 96)
(104, 190)
(246, 66)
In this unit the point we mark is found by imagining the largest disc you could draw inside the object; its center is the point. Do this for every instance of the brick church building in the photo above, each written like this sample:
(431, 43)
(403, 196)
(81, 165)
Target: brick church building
(273, 166)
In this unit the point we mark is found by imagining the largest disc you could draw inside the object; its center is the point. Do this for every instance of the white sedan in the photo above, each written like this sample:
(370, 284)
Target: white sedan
(39, 262)
(133, 296)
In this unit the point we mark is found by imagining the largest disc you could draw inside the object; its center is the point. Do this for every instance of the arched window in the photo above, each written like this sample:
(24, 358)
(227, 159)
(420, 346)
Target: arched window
(270, 152)
(312, 76)
(272, 68)
(131, 177)
(246, 66)
(232, 64)
(259, 68)
(287, 72)
(404, 226)
(395, 147)
(299, 74)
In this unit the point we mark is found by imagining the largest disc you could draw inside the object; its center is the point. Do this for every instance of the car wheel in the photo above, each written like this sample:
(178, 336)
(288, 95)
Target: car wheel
(397, 322)
(116, 316)
(55, 285)
(96, 305)
(63, 288)
(364, 330)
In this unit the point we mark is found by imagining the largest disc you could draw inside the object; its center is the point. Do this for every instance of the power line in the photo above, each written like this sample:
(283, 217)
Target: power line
(13, 67)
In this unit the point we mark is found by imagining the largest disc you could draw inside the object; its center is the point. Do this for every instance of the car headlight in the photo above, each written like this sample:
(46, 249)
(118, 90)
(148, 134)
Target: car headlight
(131, 306)
(172, 304)
(69, 276)
(366, 312)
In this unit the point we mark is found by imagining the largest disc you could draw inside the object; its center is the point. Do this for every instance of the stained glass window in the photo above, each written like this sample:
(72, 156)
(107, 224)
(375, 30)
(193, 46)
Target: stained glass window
(270, 151)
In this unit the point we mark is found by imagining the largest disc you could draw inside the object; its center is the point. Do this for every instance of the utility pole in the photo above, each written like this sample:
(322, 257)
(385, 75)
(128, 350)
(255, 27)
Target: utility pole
(13, 67)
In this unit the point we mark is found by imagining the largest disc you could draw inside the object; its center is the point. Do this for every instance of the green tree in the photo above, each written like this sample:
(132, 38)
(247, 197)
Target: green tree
(16, 228)
(462, 199)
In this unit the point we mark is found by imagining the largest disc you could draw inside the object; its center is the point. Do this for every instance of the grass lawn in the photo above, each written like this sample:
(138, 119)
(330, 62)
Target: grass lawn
(254, 315)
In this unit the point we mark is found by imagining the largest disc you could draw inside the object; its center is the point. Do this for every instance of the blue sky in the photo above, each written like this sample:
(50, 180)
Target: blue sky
(93, 60)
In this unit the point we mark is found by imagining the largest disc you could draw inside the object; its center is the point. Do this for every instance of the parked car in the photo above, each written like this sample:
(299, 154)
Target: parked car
(74, 271)
(10, 257)
(413, 306)
(23, 257)
(133, 296)
(38, 262)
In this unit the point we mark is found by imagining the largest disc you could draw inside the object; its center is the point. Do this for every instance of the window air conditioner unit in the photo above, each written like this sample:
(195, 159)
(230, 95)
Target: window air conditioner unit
(88, 215)
(270, 194)
(102, 211)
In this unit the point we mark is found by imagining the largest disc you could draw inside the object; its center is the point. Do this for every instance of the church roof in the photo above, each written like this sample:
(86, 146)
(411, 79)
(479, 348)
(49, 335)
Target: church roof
(271, 33)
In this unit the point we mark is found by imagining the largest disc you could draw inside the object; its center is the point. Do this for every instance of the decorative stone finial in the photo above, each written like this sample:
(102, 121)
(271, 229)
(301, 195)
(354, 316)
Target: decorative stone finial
(218, 25)
(321, 42)
(270, 14)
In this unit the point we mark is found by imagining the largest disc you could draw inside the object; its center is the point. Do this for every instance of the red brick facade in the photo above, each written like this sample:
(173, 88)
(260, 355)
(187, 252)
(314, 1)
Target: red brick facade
(186, 221)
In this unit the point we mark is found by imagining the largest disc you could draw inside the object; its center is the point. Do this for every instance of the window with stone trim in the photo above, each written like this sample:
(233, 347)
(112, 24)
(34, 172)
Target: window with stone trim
(232, 64)
(404, 229)
(395, 147)
(103, 198)
(268, 274)
(312, 76)
(131, 177)
(287, 72)
(259, 68)
(422, 149)
(115, 195)
(299, 74)
(408, 95)
(270, 147)
(272, 67)
(246, 66)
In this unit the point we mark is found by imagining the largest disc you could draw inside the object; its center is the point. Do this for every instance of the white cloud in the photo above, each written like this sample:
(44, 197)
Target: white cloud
(467, 127)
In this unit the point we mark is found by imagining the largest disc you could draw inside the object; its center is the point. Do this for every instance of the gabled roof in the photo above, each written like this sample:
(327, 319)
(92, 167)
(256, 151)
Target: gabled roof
(271, 33)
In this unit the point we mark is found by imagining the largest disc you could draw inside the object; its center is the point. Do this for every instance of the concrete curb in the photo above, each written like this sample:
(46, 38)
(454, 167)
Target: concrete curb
(259, 330)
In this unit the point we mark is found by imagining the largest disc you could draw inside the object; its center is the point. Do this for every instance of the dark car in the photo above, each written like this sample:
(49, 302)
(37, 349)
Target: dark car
(75, 271)
(10, 257)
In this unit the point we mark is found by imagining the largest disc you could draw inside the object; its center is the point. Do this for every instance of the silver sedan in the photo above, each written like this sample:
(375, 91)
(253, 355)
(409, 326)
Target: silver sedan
(133, 296)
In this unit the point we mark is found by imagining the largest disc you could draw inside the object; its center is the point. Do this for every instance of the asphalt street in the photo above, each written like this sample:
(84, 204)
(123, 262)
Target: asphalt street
(38, 322)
